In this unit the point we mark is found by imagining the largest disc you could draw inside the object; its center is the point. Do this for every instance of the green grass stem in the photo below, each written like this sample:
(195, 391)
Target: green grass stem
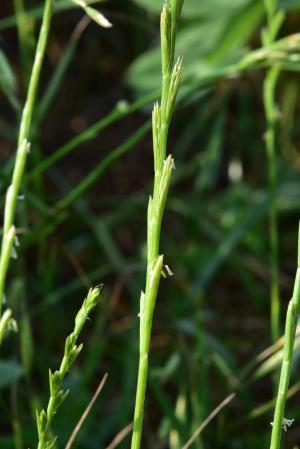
(282, 51)
(57, 394)
(23, 149)
(289, 340)
(163, 167)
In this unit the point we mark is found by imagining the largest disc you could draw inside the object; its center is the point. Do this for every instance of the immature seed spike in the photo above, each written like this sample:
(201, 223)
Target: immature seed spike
(54, 382)
(41, 422)
(164, 184)
(176, 7)
(89, 303)
(166, 38)
(163, 169)
(174, 85)
(270, 6)
(57, 394)
(156, 131)
(93, 297)
(155, 275)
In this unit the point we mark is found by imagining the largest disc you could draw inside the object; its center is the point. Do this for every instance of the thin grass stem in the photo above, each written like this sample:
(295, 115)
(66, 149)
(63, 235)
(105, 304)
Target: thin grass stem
(57, 394)
(23, 149)
(161, 117)
(289, 340)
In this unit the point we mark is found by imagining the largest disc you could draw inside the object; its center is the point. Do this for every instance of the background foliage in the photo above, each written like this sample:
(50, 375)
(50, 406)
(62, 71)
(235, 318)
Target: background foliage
(83, 222)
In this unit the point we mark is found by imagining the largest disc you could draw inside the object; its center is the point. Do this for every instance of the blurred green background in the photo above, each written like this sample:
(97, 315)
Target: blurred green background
(83, 222)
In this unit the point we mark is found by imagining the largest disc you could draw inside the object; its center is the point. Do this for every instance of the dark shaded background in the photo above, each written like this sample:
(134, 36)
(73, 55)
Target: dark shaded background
(212, 317)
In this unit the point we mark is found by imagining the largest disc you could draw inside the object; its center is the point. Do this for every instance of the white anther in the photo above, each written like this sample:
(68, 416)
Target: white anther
(169, 271)
(286, 423)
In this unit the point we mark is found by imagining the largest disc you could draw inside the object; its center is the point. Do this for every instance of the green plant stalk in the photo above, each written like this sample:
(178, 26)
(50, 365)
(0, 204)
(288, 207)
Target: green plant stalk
(289, 340)
(271, 112)
(274, 21)
(23, 146)
(57, 395)
(279, 52)
(163, 167)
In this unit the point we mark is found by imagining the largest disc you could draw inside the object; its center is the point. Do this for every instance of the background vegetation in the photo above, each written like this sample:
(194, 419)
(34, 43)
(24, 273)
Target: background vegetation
(83, 222)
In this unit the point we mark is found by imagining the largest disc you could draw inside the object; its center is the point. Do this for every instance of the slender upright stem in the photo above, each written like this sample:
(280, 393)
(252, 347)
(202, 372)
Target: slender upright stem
(289, 339)
(274, 21)
(57, 394)
(161, 117)
(23, 149)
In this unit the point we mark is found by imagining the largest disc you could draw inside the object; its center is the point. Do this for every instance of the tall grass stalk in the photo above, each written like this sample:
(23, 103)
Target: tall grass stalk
(57, 394)
(9, 230)
(274, 21)
(163, 166)
(289, 339)
(279, 51)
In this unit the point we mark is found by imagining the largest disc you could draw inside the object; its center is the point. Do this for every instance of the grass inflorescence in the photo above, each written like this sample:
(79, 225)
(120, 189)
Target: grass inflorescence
(163, 167)
(73, 198)
(9, 230)
(57, 394)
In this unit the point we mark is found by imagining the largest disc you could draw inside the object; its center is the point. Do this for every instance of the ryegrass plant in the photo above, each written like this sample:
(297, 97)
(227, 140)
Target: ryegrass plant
(274, 22)
(289, 340)
(9, 230)
(161, 117)
(224, 231)
(57, 394)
